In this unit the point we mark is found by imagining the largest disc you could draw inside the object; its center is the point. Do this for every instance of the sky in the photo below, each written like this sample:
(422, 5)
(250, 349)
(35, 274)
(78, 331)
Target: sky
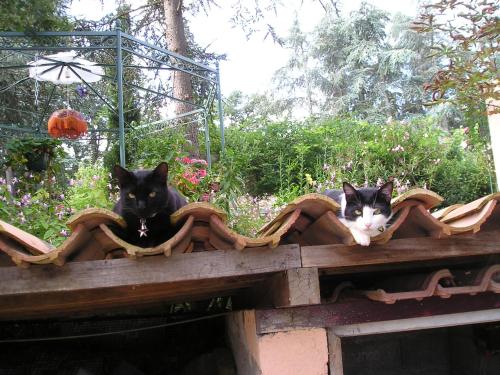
(250, 63)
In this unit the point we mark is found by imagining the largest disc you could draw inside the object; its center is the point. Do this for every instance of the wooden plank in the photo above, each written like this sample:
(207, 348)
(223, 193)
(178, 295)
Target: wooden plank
(341, 258)
(240, 327)
(296, 287)
(121, 281)
(334, 353)
(358, 311)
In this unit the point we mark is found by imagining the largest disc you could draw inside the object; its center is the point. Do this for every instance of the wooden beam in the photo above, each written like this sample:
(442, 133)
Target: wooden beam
(334, 354)
(243, 340)
(358, 311)
(295, 287)
(342, 259)
(95, 285)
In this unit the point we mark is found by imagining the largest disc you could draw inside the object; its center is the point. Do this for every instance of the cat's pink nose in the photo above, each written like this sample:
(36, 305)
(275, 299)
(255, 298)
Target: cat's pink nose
(368, 226)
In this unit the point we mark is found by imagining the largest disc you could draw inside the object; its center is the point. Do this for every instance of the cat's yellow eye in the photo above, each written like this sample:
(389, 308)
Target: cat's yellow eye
(377, 211)
(152, 194)
(381, 229)
(357, 213)
(131, 196)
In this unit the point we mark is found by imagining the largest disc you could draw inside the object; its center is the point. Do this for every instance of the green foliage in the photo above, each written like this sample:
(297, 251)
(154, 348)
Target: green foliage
(90, 188)
(37, 207)
(468, 54)
(290, 159)
(34, 15)
(20, 150)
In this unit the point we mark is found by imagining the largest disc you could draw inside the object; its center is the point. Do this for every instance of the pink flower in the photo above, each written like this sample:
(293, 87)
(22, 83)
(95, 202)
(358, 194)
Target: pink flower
(466, 130)
(61, 197)
(194, 180)
(202, 173)
(398, 148)
(95, 177)
(186, 160)
(71, 182)
(200, 161)
(63, 233)
(205, 197)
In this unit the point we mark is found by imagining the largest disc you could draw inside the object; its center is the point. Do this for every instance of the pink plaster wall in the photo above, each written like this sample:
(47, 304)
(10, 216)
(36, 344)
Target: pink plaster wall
(300, 352)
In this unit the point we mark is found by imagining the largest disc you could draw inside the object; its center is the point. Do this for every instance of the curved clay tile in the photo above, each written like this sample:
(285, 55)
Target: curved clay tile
(239, 242)
(470, 217)
(325, 230)
(179, 243)
(469, 208)
(427, 197)
(24, 248)
(201, 211)
(484, 281)
(93, 217)
(401, 215)
(20, 257)
(313, 205)
(419, 223)
(439, 214)
(427, 290)
(32, 243)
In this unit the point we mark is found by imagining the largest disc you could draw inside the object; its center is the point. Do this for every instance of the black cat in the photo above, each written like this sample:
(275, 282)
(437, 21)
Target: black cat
(366, 211)
(146, 203)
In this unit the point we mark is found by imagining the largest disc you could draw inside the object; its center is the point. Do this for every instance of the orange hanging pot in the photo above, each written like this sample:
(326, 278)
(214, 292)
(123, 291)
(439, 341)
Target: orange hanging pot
(67, 123)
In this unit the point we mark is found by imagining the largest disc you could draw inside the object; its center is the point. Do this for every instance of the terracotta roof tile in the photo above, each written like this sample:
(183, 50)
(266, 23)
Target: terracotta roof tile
(308, 220)
(486, 280)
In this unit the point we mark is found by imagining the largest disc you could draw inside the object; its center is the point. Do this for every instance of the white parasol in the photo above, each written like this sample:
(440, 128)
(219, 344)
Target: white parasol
(64, 68)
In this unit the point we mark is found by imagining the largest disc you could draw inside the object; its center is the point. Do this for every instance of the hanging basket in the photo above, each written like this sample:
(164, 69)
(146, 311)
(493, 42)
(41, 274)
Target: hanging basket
(37, 162)
(67, 123)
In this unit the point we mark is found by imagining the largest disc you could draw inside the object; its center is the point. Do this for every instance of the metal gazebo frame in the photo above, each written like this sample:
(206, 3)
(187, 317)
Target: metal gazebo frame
(120, 42)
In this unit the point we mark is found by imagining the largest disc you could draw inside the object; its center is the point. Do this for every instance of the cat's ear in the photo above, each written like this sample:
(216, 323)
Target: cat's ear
(123, 176)
(385, 191)
(351, 194)
(161, 173)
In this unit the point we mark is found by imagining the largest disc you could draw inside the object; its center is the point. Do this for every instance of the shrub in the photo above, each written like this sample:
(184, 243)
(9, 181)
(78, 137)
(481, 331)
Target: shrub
(290, 159)
(91, 187)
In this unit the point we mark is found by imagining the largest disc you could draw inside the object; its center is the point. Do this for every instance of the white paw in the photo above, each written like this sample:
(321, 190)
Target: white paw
(361, 238)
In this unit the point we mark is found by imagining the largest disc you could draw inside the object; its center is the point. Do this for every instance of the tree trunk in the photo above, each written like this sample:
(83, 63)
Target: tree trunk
(183, 88)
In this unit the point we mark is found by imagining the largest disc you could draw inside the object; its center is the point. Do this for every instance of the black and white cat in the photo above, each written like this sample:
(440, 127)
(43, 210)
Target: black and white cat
(366, 211)
(146, 203)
